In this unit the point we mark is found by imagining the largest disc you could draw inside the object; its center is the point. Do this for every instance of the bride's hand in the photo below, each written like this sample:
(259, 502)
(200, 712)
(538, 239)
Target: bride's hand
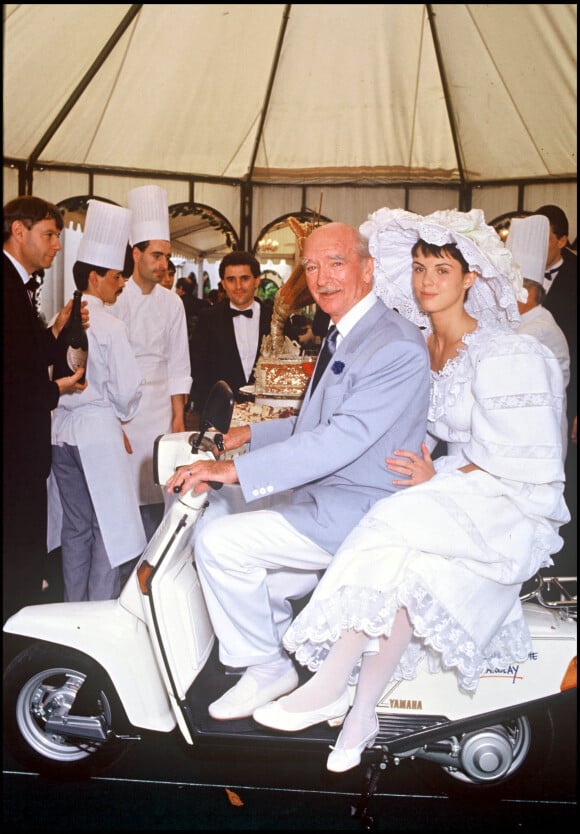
(415, 468)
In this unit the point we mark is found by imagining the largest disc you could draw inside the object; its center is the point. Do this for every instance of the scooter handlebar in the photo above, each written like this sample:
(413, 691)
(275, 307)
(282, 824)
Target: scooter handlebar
(212, 484)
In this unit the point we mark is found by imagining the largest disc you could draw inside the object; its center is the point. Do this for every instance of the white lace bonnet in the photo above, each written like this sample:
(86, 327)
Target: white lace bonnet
(392, 233)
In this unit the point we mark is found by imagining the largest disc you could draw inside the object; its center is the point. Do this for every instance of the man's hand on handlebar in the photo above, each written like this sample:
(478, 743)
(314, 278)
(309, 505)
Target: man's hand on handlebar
(236, 437)
(200, 475)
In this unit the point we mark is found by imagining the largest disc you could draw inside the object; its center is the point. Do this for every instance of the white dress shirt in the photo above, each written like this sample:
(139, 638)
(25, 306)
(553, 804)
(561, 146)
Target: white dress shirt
(247, 332)
(548, 282)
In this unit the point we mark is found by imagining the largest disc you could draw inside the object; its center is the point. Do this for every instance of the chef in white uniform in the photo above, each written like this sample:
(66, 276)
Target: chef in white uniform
(98, 514)
(528, 241)
(157, 330)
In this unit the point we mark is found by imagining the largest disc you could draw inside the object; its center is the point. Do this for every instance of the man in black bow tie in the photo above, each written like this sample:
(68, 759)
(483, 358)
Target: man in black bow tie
(561, 288)
(562, 301)
(226, 342)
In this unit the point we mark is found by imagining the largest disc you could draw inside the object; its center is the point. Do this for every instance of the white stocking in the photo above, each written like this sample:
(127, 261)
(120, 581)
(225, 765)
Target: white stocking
(331, 680)
(375, 673)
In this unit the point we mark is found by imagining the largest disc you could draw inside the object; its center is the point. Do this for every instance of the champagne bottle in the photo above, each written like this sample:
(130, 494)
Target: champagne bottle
(73, 344)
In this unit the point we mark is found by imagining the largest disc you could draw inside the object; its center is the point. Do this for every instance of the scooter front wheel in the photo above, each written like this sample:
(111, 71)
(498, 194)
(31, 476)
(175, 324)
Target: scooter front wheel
(48, 692)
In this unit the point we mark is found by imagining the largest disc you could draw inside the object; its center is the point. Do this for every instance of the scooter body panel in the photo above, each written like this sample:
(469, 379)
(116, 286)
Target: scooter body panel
(173, 606)
(554, 646)
(117, 640)
(183, 632)
(145, 650)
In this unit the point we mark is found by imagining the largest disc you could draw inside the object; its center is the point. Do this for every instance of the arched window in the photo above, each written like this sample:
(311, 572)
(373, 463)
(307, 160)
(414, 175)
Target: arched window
(277, 242)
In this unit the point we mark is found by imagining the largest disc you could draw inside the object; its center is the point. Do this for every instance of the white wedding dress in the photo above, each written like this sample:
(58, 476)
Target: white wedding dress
(455, 550)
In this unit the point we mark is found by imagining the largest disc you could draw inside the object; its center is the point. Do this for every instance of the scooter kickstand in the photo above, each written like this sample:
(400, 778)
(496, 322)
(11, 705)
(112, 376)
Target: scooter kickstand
(360, 811)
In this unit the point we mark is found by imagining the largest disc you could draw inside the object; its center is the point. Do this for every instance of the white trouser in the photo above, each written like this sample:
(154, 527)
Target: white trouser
(250, 566)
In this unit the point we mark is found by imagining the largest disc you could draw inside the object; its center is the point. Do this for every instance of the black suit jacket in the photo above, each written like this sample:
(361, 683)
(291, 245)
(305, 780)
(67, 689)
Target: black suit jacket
(214, 351)
(29, 395)
(562, 302)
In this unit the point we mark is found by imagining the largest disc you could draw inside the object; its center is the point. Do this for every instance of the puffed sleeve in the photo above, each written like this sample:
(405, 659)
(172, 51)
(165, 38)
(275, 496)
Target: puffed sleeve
(517, 414)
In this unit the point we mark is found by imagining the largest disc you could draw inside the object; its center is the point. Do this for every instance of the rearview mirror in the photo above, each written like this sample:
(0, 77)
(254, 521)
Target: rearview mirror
(217, 412)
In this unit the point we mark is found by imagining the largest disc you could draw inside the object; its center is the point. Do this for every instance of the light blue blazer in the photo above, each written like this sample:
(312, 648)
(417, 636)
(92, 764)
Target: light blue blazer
(372, 399)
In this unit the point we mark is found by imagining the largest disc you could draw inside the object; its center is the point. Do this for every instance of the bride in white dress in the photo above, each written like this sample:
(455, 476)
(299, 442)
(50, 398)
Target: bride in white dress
(436, 568)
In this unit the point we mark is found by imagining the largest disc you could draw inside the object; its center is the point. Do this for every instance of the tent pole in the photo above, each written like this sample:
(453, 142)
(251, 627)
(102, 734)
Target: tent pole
(448, 104)
(80, 88)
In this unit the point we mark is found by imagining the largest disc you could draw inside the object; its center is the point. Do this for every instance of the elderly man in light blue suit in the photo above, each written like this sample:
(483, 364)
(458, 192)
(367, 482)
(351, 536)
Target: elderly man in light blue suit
(327, 466)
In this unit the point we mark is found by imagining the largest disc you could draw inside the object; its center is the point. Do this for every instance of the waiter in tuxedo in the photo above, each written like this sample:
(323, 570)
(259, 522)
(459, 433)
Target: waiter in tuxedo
(561, 286)
(324, 469)
(32, 230)
(561, 275)
(226, 341)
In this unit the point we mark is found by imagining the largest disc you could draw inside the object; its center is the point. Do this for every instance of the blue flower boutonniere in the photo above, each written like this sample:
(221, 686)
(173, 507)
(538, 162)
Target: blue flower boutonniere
(337, 367)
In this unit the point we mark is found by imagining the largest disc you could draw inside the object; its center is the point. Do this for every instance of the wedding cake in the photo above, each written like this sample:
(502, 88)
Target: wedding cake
(280, 383)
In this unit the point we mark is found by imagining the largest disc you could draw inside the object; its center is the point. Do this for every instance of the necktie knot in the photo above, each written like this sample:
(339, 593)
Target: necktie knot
(325, 355)
(331, 338)
(247, 313)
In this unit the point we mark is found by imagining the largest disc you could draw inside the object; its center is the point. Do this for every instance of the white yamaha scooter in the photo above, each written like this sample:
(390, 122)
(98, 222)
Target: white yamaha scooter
(97, 674)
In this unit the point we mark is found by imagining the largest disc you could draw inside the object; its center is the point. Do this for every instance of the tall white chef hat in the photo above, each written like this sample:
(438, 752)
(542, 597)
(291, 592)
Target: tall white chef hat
(105, 236)
(150, 214)
(528, 242)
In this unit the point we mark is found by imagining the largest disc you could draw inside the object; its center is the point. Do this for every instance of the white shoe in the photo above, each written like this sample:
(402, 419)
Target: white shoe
(247, 695)
(345, 758)
(274, 715)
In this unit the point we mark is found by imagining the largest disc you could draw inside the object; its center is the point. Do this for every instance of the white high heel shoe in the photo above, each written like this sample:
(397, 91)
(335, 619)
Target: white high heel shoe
(274, 715)
(345, 758)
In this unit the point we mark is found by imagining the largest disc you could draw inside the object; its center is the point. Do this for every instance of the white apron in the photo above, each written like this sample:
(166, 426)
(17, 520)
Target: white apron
(100, 444)
(152, 419)
(158, 334)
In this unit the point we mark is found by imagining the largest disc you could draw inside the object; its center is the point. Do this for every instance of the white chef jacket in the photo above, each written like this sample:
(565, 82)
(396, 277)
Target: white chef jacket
(157, 330)
(539, 322)
(90, 420)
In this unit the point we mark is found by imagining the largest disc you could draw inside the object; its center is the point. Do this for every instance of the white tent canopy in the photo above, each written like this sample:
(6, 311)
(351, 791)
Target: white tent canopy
(258, 110)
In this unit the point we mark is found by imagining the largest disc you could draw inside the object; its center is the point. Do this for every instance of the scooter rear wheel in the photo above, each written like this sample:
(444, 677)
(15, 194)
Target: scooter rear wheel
(44, 681)
(531, 741)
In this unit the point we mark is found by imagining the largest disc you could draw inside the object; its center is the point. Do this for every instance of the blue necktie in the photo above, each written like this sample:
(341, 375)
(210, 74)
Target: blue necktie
(326, 352)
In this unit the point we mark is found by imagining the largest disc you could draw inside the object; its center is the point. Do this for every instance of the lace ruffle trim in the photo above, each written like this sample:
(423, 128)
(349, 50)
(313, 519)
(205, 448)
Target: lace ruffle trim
(447, 384)
(438, 637)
